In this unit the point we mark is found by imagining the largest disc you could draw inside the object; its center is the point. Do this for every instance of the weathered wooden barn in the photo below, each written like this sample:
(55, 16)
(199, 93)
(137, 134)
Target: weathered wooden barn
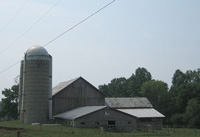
(79, 104)
(138, 107)
(75, 93)
(98, 116)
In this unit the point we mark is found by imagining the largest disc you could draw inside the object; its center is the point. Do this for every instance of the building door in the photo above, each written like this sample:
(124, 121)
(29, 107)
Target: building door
(111, 125)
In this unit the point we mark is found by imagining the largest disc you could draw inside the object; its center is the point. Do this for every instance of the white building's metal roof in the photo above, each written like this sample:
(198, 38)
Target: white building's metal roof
(78, 112)
(143, 113)
(36, 50)
(62, 85)
(134, 102)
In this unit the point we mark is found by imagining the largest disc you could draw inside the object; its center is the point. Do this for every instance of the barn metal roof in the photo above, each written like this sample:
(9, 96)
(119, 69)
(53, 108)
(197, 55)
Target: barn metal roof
(135, 102)
(143, 113)
(78, 112)
(62, 85)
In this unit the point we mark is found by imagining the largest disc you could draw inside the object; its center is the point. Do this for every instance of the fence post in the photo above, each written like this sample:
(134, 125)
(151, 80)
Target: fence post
(18, 133)
(168, 129)
(40, 126)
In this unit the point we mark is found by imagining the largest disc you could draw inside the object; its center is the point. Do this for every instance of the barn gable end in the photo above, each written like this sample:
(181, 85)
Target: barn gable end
(75, 93)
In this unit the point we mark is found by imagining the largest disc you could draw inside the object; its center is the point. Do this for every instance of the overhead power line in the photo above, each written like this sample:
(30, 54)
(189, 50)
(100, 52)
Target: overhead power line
(13, 17)
(78, 23)
(30, 27)
(64, 32)
(9, 67)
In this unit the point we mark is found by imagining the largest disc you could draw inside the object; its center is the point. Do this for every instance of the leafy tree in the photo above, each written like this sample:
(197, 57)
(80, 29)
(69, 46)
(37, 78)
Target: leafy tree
(192, 115)
(142, 75)
(172, 109)
(10, 103)
(177, 119)
(122, 87)
(178, 78)
(177, 91)
(157, 93)
(116, 88)
(185, 87)
(136, 80)
(104, 89)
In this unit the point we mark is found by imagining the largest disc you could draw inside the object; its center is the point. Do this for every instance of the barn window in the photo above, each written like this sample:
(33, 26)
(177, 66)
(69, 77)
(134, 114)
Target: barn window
(154, 119)
(82, 123)
(159, 119)
(129, 122)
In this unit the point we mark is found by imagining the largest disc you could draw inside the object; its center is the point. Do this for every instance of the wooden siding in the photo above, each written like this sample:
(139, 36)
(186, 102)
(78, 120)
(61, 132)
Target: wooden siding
(79, 93)
(156, 123)
(123, 122)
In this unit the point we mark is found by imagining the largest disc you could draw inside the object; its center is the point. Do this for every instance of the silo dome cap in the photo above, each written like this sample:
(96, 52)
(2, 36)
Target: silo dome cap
(36, 51)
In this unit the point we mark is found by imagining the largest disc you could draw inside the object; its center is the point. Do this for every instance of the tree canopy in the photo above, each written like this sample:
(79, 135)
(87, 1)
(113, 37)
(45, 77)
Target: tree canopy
(157, 93)
(177, 103)
(122, 87)
(10, 103)
(192, 115)
(180, 103)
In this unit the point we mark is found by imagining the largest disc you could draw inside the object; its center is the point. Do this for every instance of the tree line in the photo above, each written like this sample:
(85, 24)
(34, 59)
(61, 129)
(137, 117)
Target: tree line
(180, 103)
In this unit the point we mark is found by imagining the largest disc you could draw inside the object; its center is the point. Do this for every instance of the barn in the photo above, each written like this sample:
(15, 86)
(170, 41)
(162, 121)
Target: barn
(75, 93)
(98, 116)
(79, 104)
(138, 107)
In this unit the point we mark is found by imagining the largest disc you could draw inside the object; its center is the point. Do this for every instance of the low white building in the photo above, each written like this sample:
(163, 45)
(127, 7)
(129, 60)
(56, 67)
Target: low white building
(138, 107)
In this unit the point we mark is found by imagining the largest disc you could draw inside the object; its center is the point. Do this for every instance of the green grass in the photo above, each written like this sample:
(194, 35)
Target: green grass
(65, 131)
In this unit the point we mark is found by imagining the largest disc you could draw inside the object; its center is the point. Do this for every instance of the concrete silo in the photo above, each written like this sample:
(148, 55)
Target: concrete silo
(35, 95)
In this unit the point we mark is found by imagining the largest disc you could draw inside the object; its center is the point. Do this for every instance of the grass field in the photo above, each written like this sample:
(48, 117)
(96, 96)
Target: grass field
(65, 131)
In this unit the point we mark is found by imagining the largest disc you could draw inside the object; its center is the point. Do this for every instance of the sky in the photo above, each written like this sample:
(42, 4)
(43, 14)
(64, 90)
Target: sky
(161, 36)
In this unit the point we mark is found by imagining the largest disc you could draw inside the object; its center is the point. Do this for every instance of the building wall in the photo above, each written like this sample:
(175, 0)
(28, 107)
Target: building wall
(101, 118)
(78, 94)
(156, 123)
